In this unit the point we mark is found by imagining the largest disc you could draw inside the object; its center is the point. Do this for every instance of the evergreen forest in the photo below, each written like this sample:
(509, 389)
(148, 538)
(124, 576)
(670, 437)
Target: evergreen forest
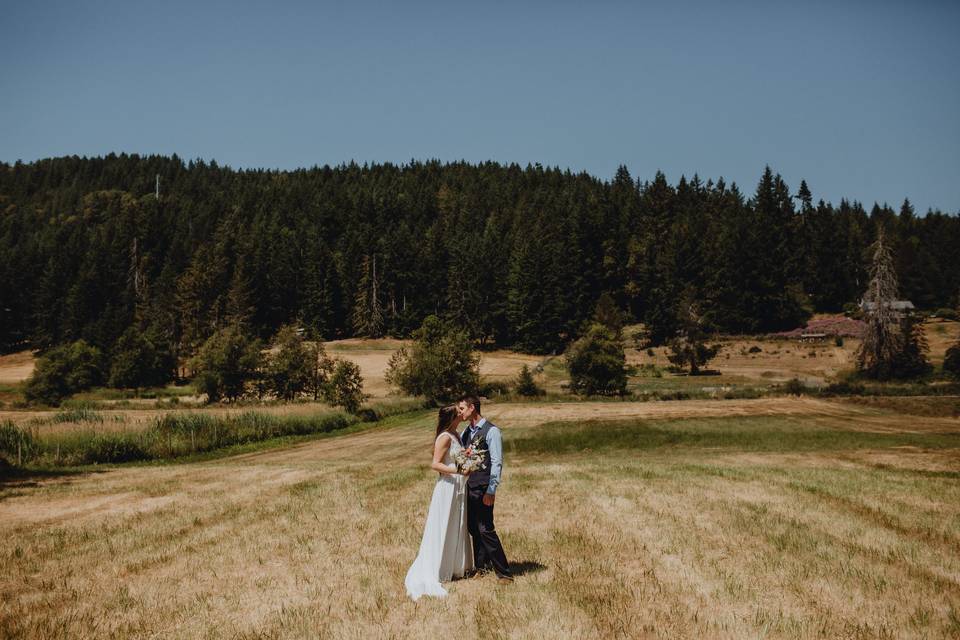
(517, 256)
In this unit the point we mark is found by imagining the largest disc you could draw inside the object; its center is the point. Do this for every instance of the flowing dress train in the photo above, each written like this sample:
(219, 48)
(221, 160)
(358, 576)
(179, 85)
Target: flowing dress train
(446, 549)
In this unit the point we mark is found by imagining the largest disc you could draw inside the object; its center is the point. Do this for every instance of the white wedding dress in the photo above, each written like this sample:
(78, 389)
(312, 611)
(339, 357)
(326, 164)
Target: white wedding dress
(446, 549)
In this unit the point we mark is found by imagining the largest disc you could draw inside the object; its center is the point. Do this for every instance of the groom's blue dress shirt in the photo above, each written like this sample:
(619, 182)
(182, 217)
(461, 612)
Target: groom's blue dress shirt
(495, 446)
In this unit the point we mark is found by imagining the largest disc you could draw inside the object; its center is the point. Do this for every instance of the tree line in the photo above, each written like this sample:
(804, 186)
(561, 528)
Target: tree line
(515, 256)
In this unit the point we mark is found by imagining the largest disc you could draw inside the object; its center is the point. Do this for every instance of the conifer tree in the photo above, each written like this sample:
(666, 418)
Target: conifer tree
(83, 255)
(597, 363)
(320, 293)
(367, 308)
(913, 359)
(240, 307)
(951, 359)
(688, 348)
(526, 385)
(883, 338)
(607, 314)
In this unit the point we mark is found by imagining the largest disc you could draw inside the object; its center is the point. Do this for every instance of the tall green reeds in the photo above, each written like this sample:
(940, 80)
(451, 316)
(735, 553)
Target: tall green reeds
(170, 436)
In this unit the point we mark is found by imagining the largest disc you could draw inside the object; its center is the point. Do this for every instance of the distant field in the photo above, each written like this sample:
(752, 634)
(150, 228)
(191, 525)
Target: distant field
(777, 360)
(777, 518)
(373, 356)
(16, 367)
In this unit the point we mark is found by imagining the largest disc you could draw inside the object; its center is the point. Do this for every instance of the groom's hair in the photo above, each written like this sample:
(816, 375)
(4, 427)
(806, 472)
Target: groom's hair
(474, 400)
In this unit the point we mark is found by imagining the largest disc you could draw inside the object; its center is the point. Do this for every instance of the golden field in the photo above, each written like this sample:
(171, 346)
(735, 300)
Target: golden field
(774, 517)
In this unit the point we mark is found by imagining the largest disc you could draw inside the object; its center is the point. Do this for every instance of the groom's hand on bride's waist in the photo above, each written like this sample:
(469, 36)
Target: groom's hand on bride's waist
(488, 499)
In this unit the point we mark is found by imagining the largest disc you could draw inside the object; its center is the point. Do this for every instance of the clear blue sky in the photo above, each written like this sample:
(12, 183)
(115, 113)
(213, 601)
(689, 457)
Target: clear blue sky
(860, 98)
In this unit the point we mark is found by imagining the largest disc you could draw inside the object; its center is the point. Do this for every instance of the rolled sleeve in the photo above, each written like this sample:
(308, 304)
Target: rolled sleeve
(495, 446)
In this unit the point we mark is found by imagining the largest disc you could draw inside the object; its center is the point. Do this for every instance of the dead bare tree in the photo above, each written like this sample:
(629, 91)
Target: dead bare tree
(883, 338)
(367, 311)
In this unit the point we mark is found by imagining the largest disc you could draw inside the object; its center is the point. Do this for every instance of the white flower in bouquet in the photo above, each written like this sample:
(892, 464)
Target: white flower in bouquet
(470, 458)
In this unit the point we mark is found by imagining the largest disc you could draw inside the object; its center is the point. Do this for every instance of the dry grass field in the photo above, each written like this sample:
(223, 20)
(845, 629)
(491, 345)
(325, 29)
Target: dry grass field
(16, 367)
(778, 360)
(768, 518)
(137, 413)
(373, 355)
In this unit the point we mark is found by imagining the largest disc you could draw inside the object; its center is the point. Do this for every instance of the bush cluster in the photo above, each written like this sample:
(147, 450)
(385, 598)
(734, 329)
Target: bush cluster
(63, 371)
(597, 363)
(440, 365)
(231, 365)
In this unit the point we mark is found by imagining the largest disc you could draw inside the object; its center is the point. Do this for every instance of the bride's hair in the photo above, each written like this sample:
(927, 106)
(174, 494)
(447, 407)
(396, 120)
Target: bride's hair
(444, 419)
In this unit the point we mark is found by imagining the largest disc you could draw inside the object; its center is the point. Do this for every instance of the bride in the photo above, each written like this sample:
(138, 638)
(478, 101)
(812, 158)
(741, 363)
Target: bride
(446, 549)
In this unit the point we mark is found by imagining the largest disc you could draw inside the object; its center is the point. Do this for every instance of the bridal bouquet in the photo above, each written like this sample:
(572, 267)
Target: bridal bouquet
(469, 458)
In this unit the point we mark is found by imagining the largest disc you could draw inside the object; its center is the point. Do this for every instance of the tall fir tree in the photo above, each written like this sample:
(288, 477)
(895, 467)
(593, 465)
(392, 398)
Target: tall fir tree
(367, 308)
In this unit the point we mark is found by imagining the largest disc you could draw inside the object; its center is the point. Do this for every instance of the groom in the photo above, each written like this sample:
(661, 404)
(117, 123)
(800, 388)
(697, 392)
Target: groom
(482, 489)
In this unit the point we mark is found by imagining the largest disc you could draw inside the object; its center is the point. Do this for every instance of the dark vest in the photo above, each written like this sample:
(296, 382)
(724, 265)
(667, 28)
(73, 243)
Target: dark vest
(481, 477)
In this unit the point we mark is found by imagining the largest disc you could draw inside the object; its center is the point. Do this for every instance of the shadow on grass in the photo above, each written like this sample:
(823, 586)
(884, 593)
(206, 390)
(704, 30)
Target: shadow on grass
(525, 567)
(922, 473)
(742, 433)
(12, 478)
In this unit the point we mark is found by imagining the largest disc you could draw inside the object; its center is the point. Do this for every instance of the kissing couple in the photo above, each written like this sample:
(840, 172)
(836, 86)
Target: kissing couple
(469, 463)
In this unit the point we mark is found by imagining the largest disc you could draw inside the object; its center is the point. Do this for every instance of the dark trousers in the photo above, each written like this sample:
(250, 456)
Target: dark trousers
(487, 550)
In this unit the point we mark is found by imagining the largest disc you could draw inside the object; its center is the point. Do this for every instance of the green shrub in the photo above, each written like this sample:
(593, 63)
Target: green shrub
(691, 351)
(526, 385)
(671, 395)
(226, 363)
(345, 388)
(440, 365)
(290, 366)
(321, 366)
(63, 371)
(844, 388)
(649, 370)
(491, 388)
(794, 387)
(597, 363)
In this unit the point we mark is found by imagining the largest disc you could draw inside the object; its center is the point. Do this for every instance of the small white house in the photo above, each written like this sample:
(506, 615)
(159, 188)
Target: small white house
(901, 307)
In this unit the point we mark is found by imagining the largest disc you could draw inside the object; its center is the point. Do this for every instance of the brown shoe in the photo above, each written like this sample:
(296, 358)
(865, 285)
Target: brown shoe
(504, 580)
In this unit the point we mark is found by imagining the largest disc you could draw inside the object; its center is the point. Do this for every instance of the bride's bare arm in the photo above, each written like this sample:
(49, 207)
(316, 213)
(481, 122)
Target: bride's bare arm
(439, 450)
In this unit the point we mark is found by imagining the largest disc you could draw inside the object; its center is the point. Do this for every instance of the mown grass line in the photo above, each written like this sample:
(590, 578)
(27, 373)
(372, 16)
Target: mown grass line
(177, 439)
(742, 433)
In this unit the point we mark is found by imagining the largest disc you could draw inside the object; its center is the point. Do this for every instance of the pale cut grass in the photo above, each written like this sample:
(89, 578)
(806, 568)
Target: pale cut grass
(836, 520)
